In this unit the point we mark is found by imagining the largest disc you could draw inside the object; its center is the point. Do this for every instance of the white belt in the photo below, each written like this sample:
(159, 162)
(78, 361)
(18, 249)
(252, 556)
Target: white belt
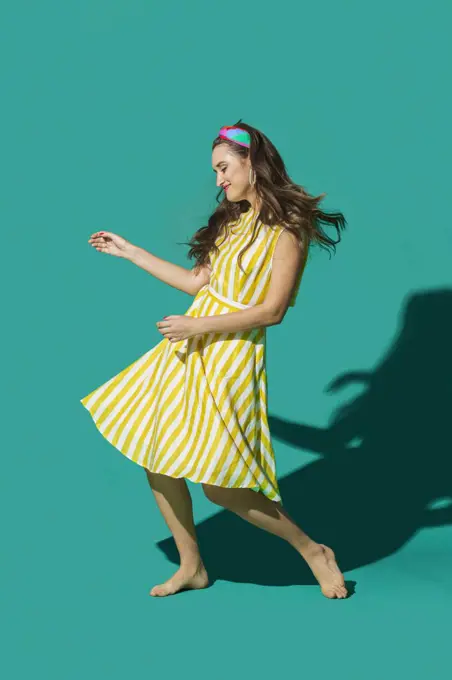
(222, 298)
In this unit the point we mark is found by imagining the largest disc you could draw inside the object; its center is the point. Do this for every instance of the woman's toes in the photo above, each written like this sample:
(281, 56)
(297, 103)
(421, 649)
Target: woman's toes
(156, 591)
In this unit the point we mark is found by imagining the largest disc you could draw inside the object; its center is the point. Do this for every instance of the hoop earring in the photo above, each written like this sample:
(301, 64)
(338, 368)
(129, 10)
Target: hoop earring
(252, 181)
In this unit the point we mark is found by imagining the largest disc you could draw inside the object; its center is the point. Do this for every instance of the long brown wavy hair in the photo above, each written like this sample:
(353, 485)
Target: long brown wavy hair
(282, 202)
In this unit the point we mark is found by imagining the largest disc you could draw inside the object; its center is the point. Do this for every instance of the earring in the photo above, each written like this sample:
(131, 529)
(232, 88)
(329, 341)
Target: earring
(252, 181)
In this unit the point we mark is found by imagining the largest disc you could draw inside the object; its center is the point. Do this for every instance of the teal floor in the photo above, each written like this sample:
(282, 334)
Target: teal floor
(84, 610)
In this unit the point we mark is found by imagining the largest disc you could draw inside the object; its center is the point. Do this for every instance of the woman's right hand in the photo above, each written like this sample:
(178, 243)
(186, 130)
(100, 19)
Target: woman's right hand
(112, 244)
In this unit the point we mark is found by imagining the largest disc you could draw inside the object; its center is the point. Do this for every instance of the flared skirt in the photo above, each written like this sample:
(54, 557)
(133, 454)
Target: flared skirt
(196, 408)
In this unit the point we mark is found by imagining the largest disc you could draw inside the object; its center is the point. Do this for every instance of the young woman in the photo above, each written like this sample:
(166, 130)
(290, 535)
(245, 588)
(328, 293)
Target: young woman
(195, 405)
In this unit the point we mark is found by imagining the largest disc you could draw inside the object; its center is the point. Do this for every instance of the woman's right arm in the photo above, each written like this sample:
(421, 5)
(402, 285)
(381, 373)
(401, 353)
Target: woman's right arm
(178, 277)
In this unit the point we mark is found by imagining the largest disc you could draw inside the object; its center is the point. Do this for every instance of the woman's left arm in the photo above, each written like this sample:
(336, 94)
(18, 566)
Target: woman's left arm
(241, 320)
(288, 260)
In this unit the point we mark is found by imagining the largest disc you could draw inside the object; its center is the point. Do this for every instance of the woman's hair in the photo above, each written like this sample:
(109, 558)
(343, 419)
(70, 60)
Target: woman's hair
(282, 202)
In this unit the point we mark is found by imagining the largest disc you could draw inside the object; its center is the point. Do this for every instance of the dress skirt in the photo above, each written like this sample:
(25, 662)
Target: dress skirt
(196, 408)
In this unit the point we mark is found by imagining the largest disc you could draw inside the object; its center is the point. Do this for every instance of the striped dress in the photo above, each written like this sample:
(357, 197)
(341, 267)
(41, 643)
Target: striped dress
(197, 408)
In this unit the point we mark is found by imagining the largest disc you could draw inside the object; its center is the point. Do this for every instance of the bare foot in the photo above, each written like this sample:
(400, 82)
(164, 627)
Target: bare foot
(322, 561)
(185, 578)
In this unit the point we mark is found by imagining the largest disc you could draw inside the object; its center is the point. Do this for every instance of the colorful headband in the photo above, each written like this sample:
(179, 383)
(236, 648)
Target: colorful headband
(235, 134)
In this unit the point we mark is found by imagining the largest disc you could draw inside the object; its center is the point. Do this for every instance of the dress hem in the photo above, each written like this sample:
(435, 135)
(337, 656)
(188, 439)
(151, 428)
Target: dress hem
(256, 489)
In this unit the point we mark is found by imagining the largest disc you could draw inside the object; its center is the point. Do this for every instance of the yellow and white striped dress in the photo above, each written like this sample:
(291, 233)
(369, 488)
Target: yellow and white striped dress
(197, 408)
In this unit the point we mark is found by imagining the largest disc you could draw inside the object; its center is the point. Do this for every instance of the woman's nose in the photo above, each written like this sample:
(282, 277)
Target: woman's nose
(220, 180)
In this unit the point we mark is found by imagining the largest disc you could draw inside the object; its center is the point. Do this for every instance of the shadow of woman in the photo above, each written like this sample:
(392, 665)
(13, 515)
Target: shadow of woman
(385, 466)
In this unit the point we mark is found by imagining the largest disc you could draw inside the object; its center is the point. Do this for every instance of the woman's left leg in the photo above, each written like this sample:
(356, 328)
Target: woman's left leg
(271, 516)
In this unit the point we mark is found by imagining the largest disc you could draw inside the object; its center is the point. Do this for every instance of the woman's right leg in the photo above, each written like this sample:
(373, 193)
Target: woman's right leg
(175, 504)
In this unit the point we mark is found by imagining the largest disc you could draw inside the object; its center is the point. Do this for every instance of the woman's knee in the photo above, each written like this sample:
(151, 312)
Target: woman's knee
(212, 492)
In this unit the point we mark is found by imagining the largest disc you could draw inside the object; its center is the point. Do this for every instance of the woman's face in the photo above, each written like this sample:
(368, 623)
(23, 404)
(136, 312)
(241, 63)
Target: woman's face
(232, 174)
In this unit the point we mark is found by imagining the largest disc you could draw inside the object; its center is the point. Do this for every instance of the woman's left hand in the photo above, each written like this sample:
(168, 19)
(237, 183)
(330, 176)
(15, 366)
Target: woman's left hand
(178, 327)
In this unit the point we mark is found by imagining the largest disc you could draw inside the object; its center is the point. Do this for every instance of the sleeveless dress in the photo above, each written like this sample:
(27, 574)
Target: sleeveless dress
(197, 408)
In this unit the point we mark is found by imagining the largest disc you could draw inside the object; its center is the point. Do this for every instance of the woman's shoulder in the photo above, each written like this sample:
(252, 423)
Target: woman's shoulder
(280, 228)
(286, 241)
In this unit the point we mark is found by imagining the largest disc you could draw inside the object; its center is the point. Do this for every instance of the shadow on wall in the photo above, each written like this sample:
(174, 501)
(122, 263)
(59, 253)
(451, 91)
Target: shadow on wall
(385, 465)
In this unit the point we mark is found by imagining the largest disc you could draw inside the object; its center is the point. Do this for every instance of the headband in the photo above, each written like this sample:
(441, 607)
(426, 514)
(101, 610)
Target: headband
(235, 134)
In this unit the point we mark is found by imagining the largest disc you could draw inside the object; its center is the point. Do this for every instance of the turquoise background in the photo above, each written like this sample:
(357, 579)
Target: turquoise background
(108, 114)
